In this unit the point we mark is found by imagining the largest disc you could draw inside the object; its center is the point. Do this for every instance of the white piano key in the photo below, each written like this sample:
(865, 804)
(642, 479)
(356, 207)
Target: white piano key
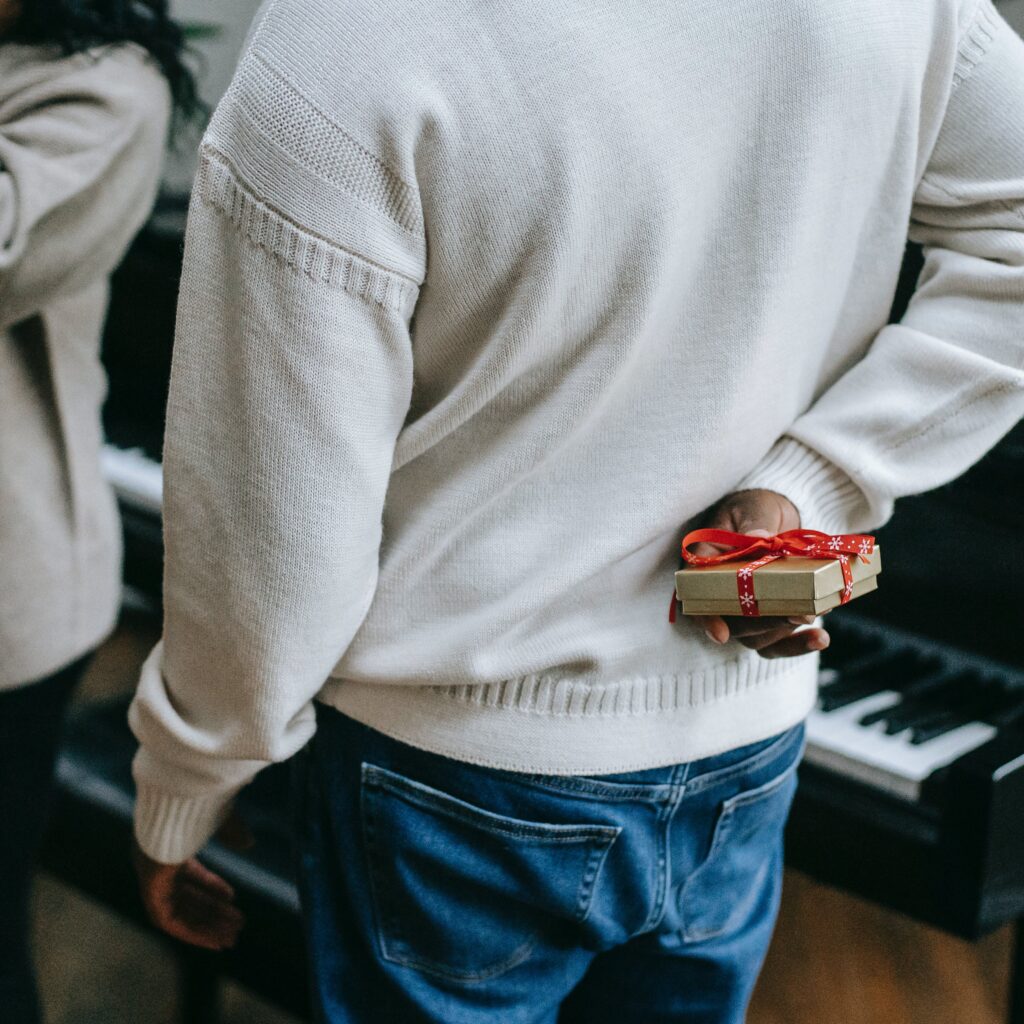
(836, 740)
(137, 479)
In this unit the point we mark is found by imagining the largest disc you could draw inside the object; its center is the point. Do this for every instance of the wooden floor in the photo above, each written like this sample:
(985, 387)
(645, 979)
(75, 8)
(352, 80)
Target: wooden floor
(834, 959)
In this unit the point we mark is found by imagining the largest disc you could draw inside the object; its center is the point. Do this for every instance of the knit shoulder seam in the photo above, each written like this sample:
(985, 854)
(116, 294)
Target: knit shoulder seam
(975, 41)
(284, 114)
(220, 185)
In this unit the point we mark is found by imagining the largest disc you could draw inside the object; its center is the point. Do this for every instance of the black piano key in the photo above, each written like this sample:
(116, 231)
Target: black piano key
(968, 701)
(872, 717)
(941, 693)
(928, 726)
(936, 686)
(990, 702)
(900, 707)
(845, 695)
(864, 663)
(894, 672)
(938, 726)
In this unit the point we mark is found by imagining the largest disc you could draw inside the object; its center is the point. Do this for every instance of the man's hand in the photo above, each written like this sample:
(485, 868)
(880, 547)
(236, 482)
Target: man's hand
(764, 513)
(189, 901)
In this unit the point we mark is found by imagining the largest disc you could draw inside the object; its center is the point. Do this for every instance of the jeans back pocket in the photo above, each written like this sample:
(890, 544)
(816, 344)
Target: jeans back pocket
(746, 846)
(462, 892)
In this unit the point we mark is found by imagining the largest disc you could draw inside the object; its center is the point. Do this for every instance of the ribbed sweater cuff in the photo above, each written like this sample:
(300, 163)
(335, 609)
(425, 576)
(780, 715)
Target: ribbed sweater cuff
(826, 498)
(170, 828)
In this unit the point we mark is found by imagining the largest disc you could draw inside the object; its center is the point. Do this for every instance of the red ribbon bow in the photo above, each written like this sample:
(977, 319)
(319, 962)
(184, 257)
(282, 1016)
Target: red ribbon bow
(799, 543)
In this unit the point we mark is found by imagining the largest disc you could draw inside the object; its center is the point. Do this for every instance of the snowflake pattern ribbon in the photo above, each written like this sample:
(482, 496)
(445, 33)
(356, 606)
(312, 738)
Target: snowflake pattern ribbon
(759, 551)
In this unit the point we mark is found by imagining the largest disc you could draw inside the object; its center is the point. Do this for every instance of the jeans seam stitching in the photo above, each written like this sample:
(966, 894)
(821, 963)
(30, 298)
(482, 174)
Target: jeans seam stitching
(748, 764)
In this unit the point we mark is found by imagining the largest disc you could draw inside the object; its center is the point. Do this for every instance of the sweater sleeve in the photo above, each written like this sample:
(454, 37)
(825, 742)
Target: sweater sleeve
(78, 149)
(291, 379)
(941, 387)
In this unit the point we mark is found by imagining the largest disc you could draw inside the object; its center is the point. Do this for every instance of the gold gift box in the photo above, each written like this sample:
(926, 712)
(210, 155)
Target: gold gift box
(787, 586)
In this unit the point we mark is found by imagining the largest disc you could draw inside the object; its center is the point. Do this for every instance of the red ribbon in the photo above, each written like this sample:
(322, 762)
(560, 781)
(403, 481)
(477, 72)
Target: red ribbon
(798, 543)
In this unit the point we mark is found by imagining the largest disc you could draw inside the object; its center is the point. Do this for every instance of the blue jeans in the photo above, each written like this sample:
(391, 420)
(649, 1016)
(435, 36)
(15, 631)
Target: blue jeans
(437, 891)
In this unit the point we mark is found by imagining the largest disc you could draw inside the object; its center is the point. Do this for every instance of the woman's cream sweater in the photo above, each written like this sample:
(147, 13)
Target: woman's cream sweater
(81, 149)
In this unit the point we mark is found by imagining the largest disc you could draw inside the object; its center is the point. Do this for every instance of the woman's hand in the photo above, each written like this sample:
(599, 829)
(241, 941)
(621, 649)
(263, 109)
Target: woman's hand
(765, 513)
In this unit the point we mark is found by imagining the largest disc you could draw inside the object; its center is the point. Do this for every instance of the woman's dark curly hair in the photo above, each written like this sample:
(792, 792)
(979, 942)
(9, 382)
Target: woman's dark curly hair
(76, 25)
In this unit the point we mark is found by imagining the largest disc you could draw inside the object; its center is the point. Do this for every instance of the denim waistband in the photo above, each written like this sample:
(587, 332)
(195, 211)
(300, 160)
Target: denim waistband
(657, 784)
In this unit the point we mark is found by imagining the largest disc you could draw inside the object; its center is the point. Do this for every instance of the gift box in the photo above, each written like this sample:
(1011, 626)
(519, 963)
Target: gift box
(800, 572)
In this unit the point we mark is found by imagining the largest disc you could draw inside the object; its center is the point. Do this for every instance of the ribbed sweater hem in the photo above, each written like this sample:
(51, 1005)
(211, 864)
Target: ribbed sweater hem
(568, 728)
(170, 827)
(320, 260)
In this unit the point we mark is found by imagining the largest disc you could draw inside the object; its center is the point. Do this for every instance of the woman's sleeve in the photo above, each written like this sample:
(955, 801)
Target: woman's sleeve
(938, 389)
(80, 153)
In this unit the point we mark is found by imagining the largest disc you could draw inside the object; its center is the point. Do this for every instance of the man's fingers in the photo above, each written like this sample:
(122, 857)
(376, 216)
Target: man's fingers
(759, 641)
(190, 927)
(191, 896)
(201, 875)
(719, 630)
(190, 902)
(705, 550)
(196, 917)
(796, 644)
(715, 627)
(209, 922)
(755, 625)
(199, 934)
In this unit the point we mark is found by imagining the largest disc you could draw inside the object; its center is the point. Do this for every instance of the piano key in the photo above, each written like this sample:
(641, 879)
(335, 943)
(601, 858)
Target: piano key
(994, 704)
(827, 676)
(956, 712)
(838, 742)
(864, 662)
(937, 726)
(909, 716)
(899, 670)
(933, 686)
(910, 712)
(136, 479)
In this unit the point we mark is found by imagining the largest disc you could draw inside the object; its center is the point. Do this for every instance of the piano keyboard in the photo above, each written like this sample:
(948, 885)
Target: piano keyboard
(893, 710)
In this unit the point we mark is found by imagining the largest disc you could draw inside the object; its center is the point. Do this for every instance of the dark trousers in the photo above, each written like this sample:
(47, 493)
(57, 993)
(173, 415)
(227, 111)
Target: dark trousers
(30, 726)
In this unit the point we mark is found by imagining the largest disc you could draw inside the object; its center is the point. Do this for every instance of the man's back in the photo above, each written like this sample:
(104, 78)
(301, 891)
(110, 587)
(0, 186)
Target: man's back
(483, 302)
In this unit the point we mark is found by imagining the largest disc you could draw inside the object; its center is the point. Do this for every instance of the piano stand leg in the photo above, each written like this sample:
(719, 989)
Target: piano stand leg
(198, 986)
(1017, 974)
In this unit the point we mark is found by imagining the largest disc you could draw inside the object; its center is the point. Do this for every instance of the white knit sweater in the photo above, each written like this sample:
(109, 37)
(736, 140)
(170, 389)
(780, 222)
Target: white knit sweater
(484, 302)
